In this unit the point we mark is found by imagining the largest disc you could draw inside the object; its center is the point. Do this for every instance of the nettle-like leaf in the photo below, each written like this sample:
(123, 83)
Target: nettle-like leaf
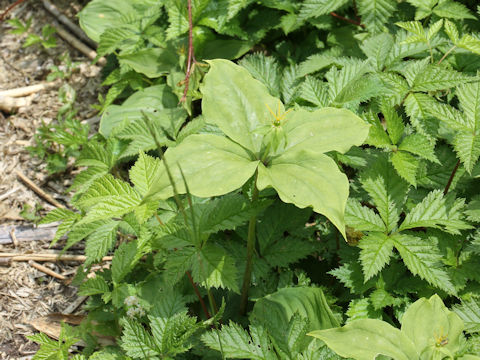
(286, 149)
(171, 329)
(314, 8)
(437, 211)
(237, 343)
(375, 13)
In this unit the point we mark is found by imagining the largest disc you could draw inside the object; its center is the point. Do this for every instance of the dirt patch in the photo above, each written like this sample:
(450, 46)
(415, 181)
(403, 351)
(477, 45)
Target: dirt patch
(26, 293)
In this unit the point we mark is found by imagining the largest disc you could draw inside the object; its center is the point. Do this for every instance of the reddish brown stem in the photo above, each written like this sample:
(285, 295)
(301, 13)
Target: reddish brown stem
(452, 175)
(358, 23)
(10, 8)
(191, 54)
(195, 288)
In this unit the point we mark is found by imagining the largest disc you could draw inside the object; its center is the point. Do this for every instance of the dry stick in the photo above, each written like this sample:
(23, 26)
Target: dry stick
(452, 175)
(80, 46)
(191, 54)
(10, 8)
(28, 90)
(14, 238)
(358, 23)
(48, 257)
(39, 191)
(10, 104)
(46, 270)
(52, 9)
(74, 305)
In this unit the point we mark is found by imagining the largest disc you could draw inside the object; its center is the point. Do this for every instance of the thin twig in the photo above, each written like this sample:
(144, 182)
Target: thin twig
(46, 270)
(52, 9)
(191, 54)
(8, 193)
(358, 23)
(10, 8)
(14, 237)
(446, 54)
(48, 257)
(77, 44)
(452, 175)
(39, 191)
(195, 288)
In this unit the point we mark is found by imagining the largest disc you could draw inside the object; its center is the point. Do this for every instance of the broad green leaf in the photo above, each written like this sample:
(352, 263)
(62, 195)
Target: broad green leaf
(469, 96)
(315, 91)
(136, 341)
(280, 306)
(366, 339)
(362, 218)
(470, 43)
(308, 179)
(427, 322)
(98, 16)
(376, 250)
(152, 62)
(422, 258)
(212, 165)
(238, 106)
(149, 101)
(324, 130)
(226, 49)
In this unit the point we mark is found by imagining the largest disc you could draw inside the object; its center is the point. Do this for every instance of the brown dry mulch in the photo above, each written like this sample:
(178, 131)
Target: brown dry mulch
(26, 293)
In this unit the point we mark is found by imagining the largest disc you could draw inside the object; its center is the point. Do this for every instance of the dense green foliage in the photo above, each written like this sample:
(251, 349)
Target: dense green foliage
(329, 177)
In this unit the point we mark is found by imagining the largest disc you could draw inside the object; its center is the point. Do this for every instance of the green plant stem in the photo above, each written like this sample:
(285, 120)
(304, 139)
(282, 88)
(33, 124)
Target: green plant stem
(446, 54)
(250, 251)
(213, 304)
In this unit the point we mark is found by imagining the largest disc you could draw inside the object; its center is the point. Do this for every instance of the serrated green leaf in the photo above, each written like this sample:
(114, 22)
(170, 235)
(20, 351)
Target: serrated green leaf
(94, 286)
(124, 260)
(406, 166)
(314, 8)
(453, 10)
(420, 145)
(100, 241)
(394, 123)
(422, 258)
(315, 91)
(236, 343)
(376, 250)
(264, 69)
(362, 218)
(142, 174)
(434, 78)
(436, 211)
(375, 13)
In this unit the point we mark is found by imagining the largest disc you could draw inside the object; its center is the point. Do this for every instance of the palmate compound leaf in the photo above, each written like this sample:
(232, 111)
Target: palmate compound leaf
(242, 112)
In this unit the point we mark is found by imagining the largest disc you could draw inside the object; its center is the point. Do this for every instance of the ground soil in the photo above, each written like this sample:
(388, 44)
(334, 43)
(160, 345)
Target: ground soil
(26, 293)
